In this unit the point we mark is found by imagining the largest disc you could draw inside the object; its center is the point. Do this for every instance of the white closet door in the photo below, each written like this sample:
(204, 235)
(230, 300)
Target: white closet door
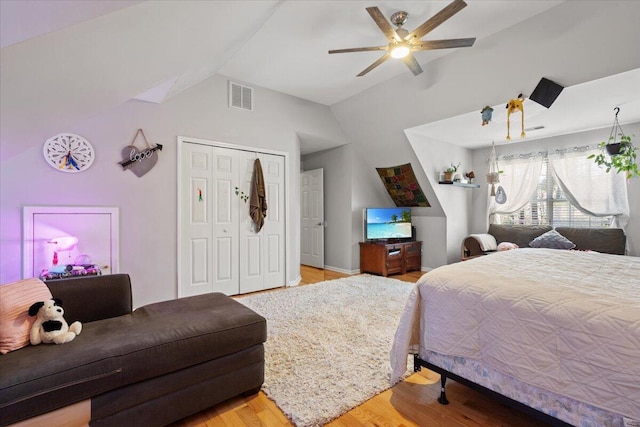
(197, 231)
(226, 205)
(273, 231)
(262, 254)
(250, 242)
(220, 251)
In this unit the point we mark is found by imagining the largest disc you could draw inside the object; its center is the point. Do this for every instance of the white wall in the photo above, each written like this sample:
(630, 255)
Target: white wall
(590, 138)
(148, 205)
(435, 156)
(337, 204)
(573, 46)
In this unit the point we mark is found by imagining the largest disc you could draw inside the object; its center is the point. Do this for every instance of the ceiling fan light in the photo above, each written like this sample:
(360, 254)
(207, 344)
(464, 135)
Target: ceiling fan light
(400, 51)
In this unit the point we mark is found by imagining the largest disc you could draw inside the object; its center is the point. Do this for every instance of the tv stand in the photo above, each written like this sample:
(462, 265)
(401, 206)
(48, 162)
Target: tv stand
(385, 258)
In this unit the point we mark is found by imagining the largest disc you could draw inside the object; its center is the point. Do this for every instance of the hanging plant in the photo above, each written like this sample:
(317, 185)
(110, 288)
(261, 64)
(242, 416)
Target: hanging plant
(618, 152)
(493, 175)
(624, 161)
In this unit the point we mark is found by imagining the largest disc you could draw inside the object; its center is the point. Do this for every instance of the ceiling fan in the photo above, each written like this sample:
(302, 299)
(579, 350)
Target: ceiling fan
(402, 43)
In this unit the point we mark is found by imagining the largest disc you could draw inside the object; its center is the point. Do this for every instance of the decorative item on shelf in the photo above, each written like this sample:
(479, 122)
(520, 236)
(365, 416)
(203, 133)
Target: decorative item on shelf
(471, 175)
(486, 115)
(512, 106)
(62, 244)
(449, 173)
(68, 152)
(622, 154)
(493, 176)
(139, 161)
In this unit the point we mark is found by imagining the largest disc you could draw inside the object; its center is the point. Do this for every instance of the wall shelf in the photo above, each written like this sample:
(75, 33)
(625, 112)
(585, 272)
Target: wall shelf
(459, 184)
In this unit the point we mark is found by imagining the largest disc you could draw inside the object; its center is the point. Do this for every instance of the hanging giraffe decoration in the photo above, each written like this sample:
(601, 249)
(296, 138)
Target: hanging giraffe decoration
(512, 106)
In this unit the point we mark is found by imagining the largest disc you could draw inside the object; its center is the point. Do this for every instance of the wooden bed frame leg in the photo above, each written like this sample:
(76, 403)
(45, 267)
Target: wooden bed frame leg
(443, 395)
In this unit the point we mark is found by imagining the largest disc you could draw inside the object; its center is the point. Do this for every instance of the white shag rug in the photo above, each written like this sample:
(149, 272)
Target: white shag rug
(328, 344)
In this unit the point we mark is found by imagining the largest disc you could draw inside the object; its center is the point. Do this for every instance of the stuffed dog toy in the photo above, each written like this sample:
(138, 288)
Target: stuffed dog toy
(50, 326)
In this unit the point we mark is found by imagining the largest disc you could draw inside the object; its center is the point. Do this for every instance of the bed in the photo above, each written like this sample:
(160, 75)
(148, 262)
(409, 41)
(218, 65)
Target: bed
(555, 330)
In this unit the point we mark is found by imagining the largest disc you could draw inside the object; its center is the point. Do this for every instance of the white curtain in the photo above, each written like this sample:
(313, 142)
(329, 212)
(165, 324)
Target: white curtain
(519, 180)
(590, 189)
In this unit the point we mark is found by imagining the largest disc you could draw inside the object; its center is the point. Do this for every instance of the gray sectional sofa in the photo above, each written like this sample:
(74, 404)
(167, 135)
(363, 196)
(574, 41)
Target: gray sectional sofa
(605, 240)
(145, 367)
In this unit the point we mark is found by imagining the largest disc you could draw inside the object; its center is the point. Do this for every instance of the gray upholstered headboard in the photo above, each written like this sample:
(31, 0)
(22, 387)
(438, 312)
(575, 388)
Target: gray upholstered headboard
(521, 235)
(605, 240)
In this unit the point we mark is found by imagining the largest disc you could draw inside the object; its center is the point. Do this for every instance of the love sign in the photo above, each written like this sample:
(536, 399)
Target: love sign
(139, 161)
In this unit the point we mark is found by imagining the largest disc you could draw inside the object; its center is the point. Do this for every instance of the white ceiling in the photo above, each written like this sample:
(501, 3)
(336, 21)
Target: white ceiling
(82, 58)
(578, 108)
(285, 49)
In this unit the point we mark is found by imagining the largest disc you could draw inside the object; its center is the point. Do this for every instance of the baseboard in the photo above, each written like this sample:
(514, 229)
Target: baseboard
(342, 270)
(295, 282)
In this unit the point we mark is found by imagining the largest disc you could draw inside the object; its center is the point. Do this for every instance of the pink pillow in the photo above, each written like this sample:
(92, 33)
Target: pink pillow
(15, 322)
(507, 246)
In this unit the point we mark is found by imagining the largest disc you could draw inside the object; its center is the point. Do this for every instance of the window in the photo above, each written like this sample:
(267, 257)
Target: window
(550, 206)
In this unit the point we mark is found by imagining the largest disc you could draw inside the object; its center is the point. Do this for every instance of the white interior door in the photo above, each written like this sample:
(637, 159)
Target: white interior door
(219, 249)
(262, 254)
(274, 229)
(312, 234)
(196, 224)
(226, 220)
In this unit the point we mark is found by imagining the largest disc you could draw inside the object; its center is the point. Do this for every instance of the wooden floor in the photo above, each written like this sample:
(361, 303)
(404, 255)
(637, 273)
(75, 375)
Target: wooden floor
(410, 403)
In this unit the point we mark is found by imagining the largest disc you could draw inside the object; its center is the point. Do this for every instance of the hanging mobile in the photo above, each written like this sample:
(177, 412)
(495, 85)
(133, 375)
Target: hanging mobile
(493, 176)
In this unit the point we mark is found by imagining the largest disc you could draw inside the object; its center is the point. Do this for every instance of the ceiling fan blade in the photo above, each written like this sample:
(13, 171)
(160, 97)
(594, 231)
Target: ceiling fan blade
(375, 64)
(443, 44)
(359, 49)
(437, 19)
(383, 24)
(413, 65)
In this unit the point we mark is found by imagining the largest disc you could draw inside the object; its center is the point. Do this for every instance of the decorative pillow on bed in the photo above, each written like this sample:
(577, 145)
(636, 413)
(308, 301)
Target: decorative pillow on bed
(15, 322)
(552, 240)
(507, 246)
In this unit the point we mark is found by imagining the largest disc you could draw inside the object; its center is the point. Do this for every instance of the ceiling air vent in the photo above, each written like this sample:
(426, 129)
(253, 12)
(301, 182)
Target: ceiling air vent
(240, 96)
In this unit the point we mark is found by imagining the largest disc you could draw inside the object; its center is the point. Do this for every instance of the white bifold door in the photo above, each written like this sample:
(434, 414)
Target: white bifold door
(220, 250)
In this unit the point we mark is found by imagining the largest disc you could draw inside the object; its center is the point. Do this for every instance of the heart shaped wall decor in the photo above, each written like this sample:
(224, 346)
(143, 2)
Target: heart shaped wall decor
(140, 161)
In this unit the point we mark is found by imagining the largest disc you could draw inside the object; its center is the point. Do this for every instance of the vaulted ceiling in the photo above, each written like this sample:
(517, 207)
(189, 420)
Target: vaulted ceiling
(65, 61)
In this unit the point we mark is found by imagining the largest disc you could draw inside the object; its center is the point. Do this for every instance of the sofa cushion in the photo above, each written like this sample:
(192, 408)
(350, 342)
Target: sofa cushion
(521, 235)
(152, 341)
(552, 240)
(605, 240)
(15, 322)
(113, 291)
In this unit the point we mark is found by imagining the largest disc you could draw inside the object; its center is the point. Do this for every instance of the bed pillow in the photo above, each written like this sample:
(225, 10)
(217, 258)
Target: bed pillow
(507, 246)
(15, 322)
(552, 240)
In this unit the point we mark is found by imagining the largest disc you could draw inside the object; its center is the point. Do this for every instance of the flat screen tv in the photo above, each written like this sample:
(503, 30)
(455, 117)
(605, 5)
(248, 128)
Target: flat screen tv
(387, 224)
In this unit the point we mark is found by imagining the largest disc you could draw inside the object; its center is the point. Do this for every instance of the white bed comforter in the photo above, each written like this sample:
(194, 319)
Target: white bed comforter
(565, 321)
